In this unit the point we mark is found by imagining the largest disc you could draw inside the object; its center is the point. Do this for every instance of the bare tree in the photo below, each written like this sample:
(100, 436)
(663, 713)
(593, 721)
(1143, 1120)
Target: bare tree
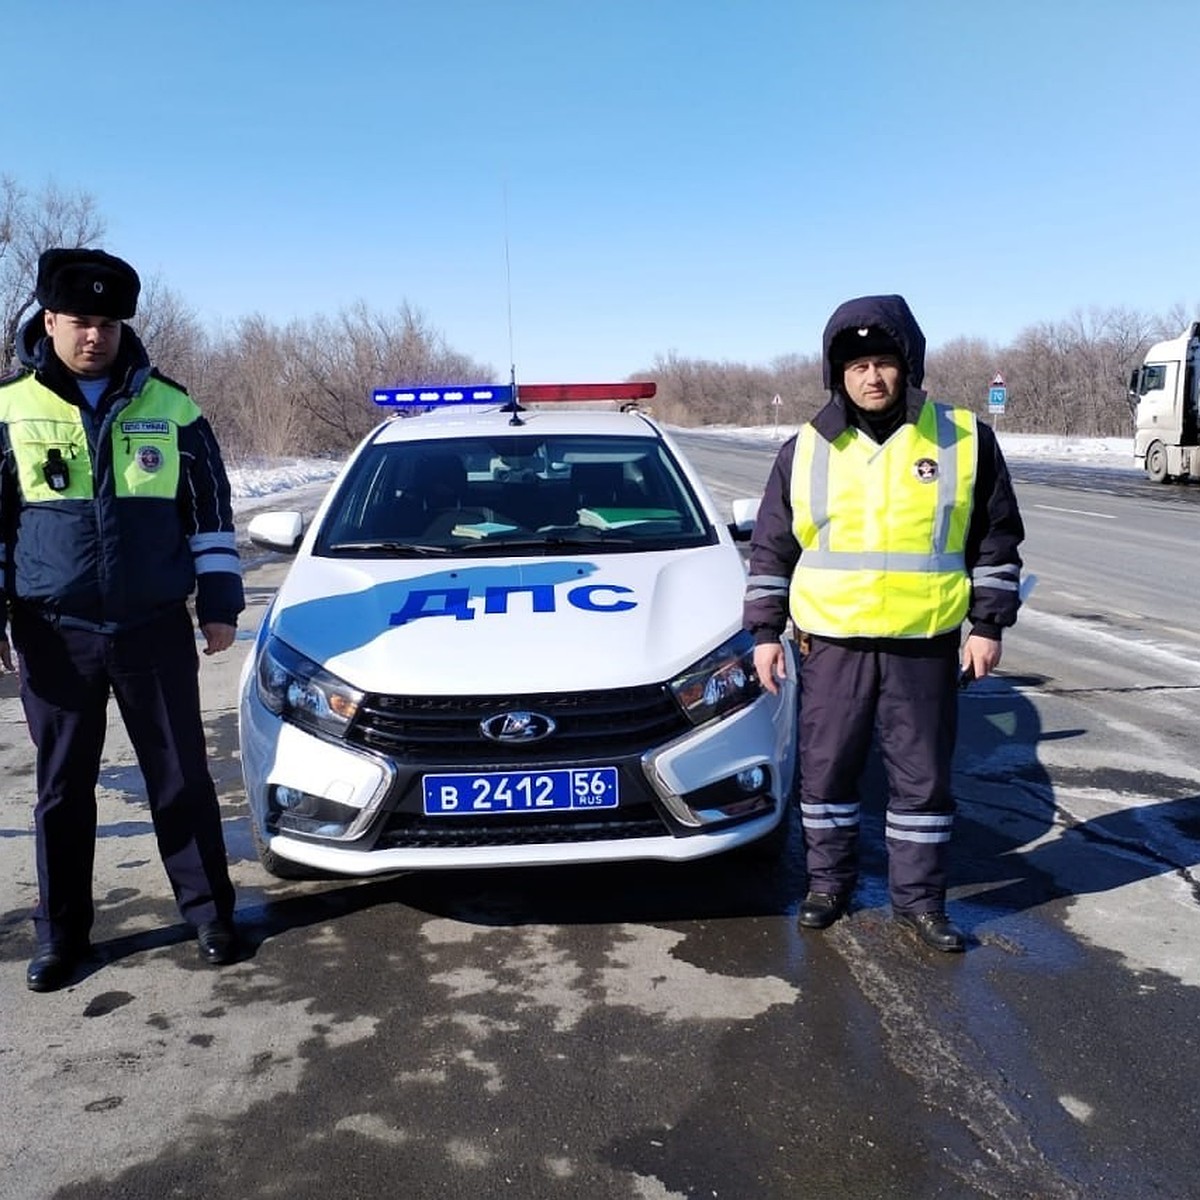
(961, 371)
(243, 390)
(305, 388)
(703, 392)
(29, 225)
(338, 362)
(1174, 321)
(1110, 342)
(800, 384)
(1070, 377)
(171, 332)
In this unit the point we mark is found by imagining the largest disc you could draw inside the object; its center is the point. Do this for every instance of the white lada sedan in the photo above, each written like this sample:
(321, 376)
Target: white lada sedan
(511, 636)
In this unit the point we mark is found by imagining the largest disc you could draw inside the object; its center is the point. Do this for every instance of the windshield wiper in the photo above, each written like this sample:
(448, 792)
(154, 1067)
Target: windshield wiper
(547, 541)
(599, 538)
(414, 549)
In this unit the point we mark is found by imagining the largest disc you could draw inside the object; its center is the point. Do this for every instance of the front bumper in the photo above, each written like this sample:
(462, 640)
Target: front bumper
(675, 803)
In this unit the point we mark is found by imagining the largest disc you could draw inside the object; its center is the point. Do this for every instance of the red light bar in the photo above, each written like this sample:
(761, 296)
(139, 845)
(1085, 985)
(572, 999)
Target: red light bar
(535, 393)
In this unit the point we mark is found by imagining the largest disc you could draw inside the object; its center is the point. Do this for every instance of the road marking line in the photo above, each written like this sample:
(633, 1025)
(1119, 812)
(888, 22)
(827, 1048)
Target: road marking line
(1079, 512)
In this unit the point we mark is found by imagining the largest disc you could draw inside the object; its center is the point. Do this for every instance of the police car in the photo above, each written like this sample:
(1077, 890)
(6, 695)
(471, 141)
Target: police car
(511, 636)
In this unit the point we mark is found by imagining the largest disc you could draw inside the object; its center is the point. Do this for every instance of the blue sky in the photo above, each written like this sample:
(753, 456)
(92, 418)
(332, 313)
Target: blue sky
(705, 179)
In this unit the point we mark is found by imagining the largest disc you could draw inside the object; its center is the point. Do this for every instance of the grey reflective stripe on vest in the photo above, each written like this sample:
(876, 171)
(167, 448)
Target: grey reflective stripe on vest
(818, 494)
(882, 560)
(947, 484)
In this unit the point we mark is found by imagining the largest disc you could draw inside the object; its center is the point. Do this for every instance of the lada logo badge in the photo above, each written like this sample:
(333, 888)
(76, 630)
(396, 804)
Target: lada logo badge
(516, 727)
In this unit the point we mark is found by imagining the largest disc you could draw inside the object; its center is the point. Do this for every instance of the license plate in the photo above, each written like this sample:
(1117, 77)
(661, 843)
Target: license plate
(520, 791)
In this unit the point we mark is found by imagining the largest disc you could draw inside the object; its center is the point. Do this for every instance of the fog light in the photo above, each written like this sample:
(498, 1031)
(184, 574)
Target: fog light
(296, 811)
(746, 793)
(293, 800)
(753, 780)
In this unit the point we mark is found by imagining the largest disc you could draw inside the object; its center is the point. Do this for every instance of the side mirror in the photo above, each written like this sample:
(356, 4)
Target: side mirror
(281, 531)
(745, 513)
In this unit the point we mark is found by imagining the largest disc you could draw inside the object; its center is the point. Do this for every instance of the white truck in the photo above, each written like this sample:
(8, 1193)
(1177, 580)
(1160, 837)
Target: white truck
(1164, 397)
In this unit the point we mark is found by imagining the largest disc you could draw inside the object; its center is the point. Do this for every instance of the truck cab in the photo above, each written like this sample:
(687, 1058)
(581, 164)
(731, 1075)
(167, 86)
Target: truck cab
(1163, 397)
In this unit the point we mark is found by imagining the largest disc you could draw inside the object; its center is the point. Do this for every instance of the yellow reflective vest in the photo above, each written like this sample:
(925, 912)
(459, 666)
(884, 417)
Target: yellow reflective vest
(144, 441)
(883, 529)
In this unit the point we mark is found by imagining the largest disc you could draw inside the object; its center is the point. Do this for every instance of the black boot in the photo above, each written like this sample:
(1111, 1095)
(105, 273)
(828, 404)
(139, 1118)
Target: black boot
(217, 942)
(935, 929)
(821, 909)
(53, 966)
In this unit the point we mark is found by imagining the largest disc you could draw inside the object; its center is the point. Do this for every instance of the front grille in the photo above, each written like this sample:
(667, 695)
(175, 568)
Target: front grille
(633, 821)
(589, 726)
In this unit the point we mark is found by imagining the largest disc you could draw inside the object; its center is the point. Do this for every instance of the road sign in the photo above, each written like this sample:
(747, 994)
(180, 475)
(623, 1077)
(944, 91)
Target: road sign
(997, 396)
(998, 380)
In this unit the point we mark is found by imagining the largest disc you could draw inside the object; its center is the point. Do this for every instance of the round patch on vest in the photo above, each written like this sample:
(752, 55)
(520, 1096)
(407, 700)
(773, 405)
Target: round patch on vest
(149, 458)
(925, 469)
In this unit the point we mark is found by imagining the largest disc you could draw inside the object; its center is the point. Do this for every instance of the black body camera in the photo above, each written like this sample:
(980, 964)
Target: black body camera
(56, 472)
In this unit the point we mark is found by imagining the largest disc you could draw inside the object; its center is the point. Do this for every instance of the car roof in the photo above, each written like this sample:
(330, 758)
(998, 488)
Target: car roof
(492, 422)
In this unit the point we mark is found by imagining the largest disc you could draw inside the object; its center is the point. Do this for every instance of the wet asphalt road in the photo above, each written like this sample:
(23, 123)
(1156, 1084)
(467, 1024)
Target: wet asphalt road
(648, 1031)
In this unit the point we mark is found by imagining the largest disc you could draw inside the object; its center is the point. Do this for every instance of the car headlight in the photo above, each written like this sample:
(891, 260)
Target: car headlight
(301, 691)
(723, 680)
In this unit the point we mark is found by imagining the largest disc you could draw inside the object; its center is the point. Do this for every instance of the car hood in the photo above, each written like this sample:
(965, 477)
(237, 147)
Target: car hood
(511, 625)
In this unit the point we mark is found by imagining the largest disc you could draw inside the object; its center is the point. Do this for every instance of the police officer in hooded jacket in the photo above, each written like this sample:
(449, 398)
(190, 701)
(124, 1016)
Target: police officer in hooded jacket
(114, 509)
(887, 524)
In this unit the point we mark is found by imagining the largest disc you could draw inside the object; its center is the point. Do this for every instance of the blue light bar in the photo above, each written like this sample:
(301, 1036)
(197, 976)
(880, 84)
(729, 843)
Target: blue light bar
(500, 393)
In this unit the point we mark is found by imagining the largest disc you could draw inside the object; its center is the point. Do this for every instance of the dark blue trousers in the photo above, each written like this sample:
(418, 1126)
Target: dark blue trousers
(67, 676)
(906, 692)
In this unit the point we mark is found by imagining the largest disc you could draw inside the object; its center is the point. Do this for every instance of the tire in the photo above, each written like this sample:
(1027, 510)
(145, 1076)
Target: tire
(1156, 462)
(276, 864)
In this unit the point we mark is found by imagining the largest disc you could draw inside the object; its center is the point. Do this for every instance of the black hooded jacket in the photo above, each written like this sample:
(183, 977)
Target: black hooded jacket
(995, 530)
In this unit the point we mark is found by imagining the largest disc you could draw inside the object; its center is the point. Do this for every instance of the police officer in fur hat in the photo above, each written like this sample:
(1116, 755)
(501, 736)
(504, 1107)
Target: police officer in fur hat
(886, 524)
(114, 510)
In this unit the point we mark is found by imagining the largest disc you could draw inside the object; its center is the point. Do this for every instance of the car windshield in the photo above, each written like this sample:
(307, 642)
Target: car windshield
(514, 495)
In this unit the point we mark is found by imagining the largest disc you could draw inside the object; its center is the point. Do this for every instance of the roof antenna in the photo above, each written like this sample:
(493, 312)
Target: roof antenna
(515, 403)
